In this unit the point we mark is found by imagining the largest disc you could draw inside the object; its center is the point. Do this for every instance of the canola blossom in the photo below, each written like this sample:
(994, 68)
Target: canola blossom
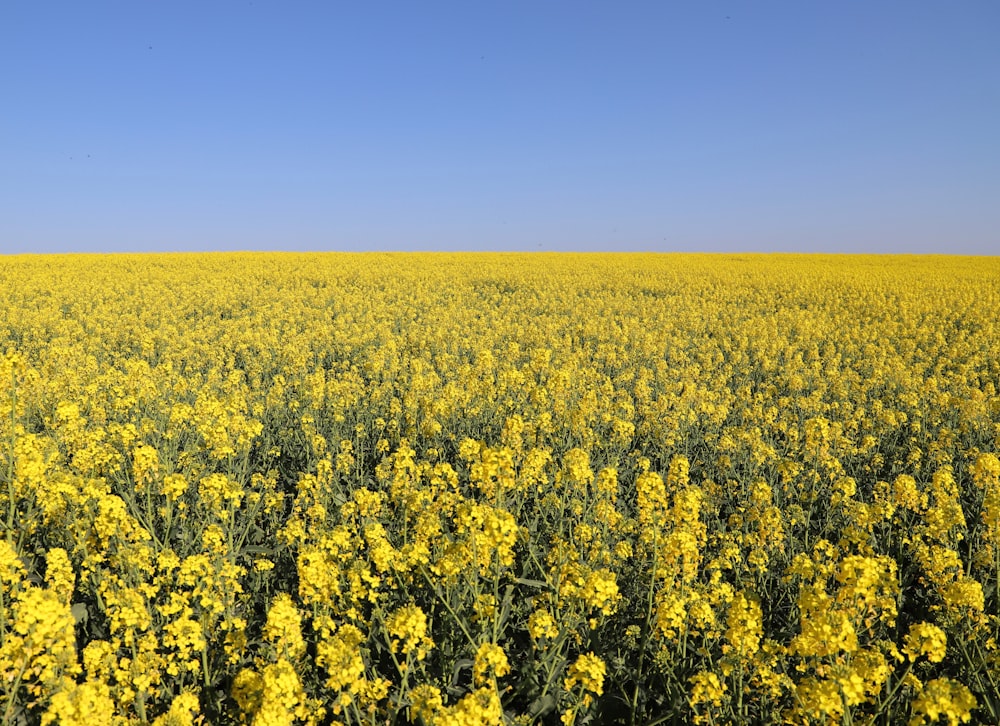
(458, 489)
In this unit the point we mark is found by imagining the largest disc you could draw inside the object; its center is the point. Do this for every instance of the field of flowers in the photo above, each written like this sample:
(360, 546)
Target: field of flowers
(459, 489)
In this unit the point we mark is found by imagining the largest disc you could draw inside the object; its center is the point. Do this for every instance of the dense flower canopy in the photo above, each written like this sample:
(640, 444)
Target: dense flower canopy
(478, 488)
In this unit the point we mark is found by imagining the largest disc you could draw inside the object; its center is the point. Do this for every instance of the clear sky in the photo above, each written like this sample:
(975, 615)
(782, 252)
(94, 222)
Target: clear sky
(751, 125)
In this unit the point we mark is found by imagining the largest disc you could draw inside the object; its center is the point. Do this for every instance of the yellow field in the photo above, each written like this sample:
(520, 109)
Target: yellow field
(485, 488)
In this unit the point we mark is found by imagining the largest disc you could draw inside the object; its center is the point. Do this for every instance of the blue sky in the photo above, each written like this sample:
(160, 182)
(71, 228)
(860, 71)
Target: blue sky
(848, 126)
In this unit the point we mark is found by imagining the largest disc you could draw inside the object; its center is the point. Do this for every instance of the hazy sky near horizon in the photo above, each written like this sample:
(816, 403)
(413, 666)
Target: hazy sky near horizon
(849, 126)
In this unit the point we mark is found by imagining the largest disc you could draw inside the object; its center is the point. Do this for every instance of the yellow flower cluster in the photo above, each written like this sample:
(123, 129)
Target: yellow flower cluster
(943, 699)
(489, 658)
(408, 629)
(483, 489)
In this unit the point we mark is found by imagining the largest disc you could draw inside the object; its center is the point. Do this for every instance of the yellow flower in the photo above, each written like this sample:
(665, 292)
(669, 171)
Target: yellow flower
(671, 613)
(677, 474)
(943, 698)
(340, 655)
(59, 575)
(99, 659)
(40, 644)
(145, 465)
(408, 628)
(986, 471)
(87, 704)
(218, 490)
(541, 625)
(588, 672)
(964, 594)
(489, 657)
(174, 485)
(744, 625)
(871, 666)
(369, 503)
(284, 627)
(184, 636)
(12, 570)
(706, 688)
(925, 639)
(600, 591)
(283, 699)
(652, 499)
(479, 708)
(425, 702)
(824, 629)
(906, 495)
(576, 468)
(491, 533)
(821, 699)
(183, 710)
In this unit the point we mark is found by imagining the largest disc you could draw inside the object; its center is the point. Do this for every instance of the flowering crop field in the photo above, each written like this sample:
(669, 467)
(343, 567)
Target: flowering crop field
(474, 488)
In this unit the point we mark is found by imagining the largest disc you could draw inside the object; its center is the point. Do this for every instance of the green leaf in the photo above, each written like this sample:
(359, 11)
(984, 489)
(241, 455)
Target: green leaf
(539, 584)
(542, 706)
(80, 613)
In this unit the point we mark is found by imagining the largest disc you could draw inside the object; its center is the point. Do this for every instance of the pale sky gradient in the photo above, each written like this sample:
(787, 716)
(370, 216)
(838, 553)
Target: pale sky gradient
(750, 125)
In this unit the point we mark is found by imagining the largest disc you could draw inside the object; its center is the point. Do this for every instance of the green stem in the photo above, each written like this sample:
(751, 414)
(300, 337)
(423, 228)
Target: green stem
(7, 713)
(405, 673)
(634, 705)
(497, 605)
(447, 605)
(204, 665)
(553, 663)
(251, 520)
(739, 691)
(892, 693)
